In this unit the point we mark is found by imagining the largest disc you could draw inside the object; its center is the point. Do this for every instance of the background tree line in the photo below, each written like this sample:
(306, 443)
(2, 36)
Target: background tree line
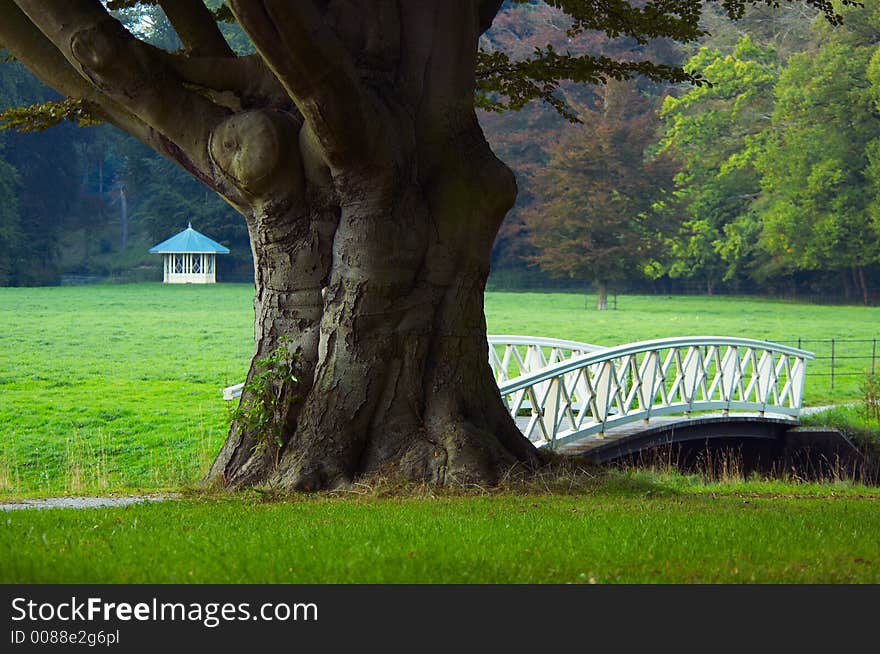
(766, 181)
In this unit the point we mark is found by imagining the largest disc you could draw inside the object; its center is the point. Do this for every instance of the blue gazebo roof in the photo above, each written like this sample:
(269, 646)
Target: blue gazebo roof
(189, 240)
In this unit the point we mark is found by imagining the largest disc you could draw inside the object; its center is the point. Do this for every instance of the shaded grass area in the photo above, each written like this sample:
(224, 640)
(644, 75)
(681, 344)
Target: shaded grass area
(118, 386)
(632, 528)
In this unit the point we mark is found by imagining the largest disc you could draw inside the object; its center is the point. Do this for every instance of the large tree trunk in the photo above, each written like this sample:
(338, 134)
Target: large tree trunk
(372, 224)
(377, 282)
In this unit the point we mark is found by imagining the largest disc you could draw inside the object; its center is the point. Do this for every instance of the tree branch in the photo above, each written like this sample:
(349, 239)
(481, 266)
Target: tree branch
(247, 77)
(132, 74)
(315, 69)
(25, 42)
(196, 27)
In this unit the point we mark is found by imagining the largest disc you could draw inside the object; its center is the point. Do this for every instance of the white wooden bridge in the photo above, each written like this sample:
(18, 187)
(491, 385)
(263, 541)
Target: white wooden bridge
(570, 396)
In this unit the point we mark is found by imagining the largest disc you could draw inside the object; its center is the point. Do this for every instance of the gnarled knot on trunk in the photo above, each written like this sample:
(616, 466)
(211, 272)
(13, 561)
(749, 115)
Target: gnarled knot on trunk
(97, 49)
(259, 152)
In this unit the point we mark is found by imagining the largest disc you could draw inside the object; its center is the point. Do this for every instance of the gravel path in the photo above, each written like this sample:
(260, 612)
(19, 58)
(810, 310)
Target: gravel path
(80, 502)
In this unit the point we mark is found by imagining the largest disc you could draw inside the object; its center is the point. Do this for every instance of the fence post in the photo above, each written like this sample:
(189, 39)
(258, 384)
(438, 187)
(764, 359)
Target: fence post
(832, 364)
(873, 354)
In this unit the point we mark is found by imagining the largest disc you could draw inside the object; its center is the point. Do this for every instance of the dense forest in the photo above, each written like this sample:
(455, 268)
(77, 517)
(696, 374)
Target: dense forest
(764, 180)
(86, 203)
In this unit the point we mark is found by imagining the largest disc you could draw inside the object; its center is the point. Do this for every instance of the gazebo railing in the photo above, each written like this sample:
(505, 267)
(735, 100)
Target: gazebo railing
(588, 394)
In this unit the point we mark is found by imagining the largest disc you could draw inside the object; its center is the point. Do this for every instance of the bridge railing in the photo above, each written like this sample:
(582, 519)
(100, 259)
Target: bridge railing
(515, 356)
(591, 393)
(509, 356)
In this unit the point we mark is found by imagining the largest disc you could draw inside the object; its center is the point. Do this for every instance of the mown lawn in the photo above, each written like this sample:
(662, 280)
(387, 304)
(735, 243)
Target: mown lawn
(640, 317)
(109, 387)
(626, 528)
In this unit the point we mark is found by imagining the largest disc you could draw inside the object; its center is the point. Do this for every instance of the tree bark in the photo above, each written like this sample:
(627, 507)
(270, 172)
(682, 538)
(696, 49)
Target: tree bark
(384, 302)
(380, 293)
(601, 296)
(863, 284)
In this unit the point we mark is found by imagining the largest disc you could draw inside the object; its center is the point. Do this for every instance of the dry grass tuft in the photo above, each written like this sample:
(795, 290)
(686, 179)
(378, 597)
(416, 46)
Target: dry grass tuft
(85, 463)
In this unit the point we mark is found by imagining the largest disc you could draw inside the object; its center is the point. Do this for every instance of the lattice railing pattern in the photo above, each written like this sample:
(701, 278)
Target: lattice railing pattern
(514, 356)
(590, 393)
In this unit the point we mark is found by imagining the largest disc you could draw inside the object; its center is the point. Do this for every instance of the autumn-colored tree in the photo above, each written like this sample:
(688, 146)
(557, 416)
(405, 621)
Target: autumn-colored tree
(522, 138)
(594, 218)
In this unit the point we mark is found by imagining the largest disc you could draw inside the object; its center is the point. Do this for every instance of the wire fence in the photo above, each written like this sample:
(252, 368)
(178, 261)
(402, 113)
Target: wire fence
(840, 362)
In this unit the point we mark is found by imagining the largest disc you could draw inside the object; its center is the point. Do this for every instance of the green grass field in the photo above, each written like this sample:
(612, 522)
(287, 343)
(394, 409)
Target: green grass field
(110, 387)
(116, 388)
(620, 529)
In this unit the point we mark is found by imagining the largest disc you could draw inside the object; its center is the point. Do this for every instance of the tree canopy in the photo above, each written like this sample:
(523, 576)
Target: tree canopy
(777, 159)
(502, 81)
(595, 218)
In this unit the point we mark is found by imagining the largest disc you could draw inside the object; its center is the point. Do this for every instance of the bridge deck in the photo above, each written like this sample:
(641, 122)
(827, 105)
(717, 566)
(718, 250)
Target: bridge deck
(705, 425)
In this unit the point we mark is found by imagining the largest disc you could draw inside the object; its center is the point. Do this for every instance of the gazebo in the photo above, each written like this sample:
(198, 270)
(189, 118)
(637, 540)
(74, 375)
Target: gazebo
(189, 257)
